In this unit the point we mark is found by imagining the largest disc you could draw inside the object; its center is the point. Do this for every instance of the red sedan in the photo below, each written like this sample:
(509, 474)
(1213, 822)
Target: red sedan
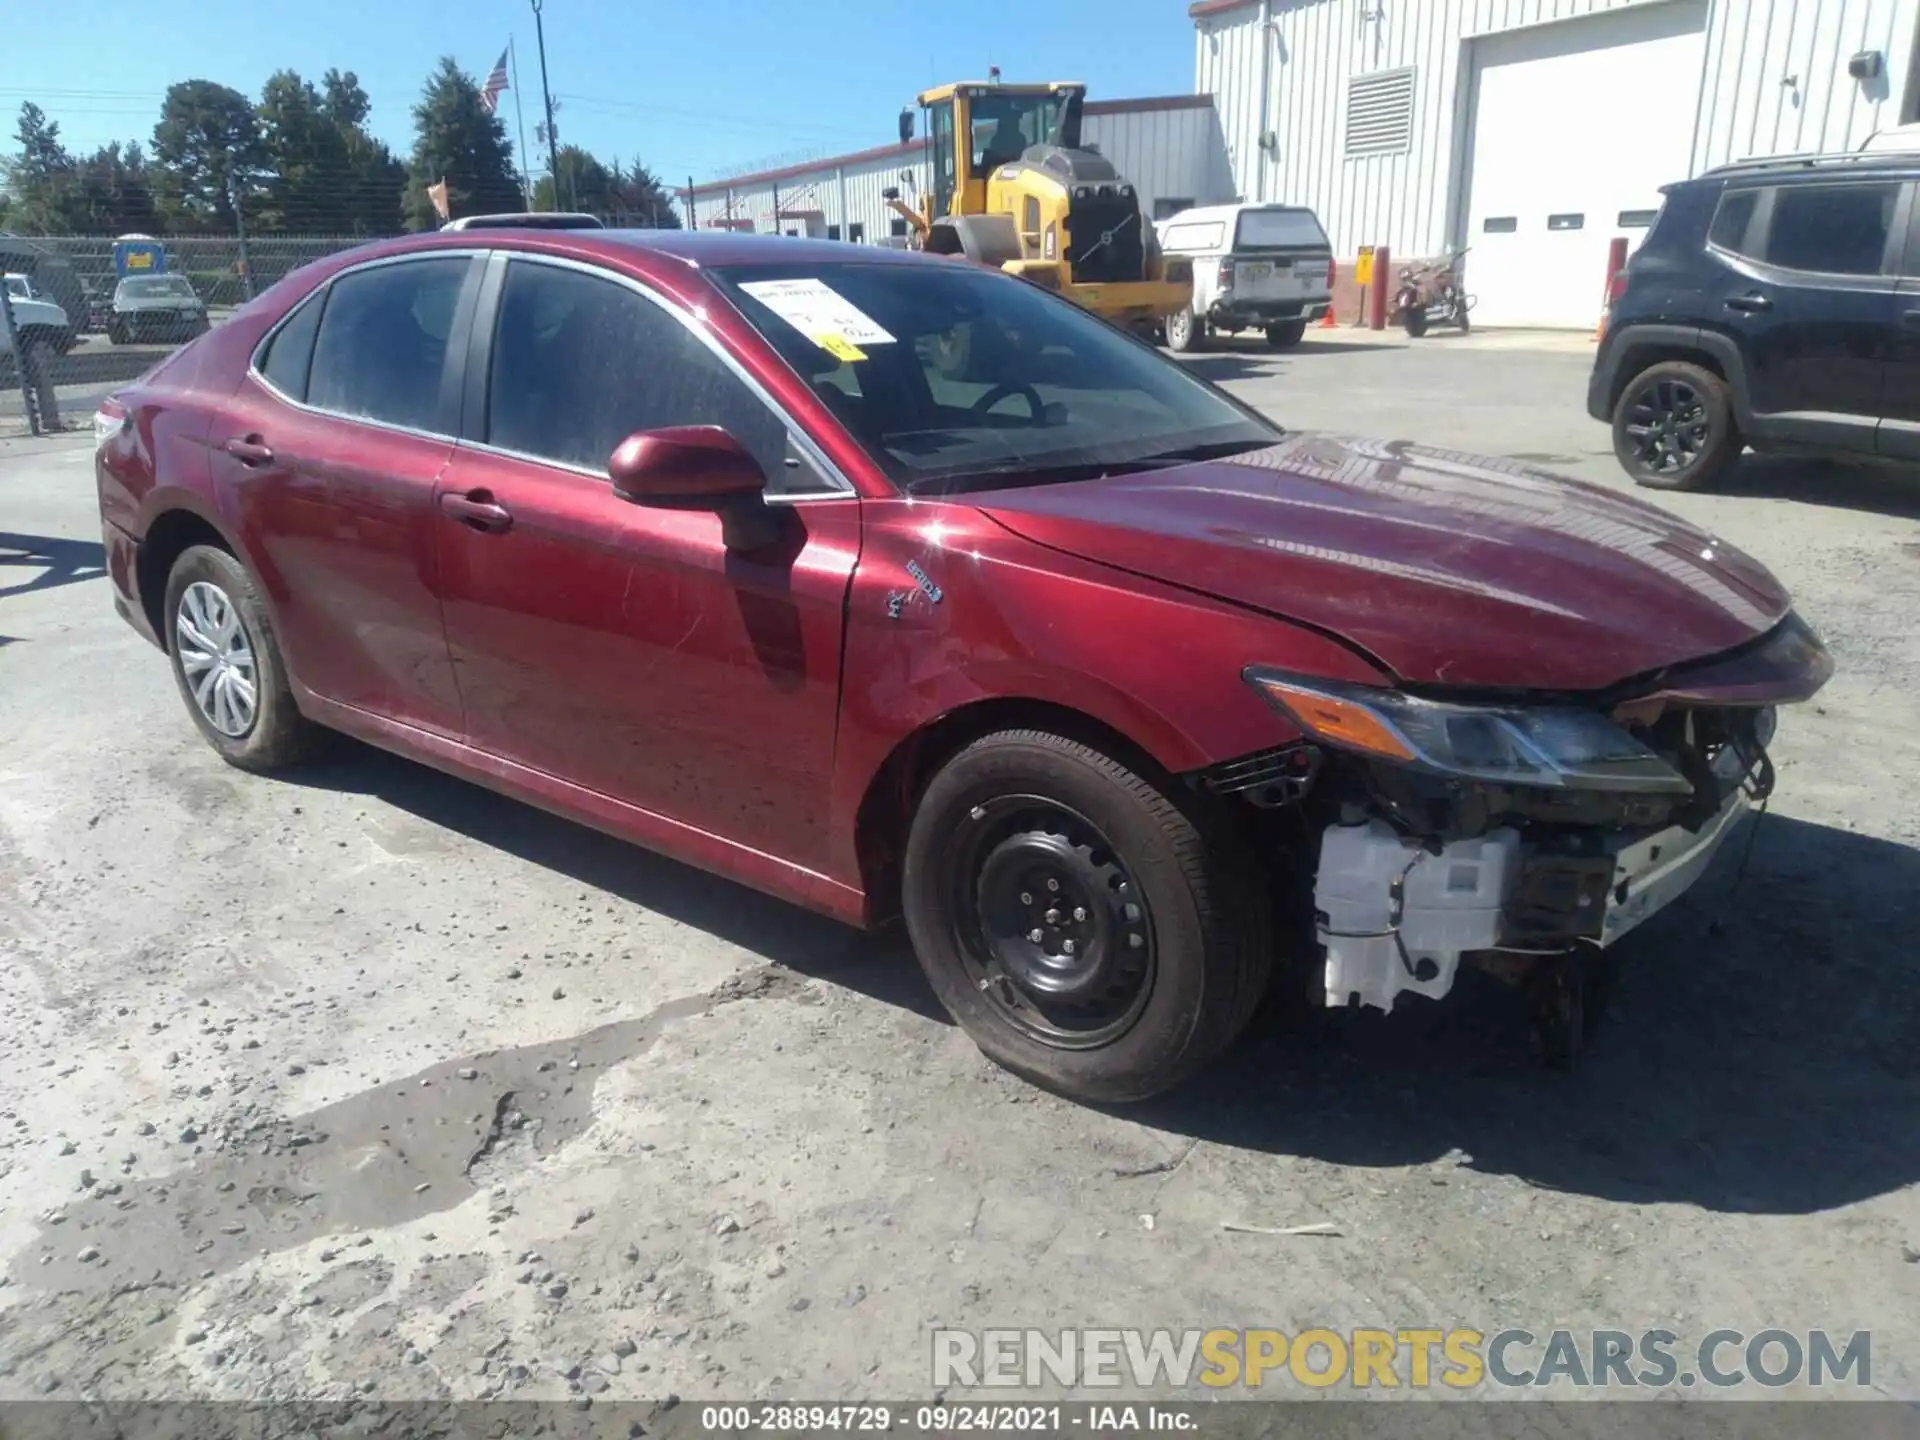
(891, 585)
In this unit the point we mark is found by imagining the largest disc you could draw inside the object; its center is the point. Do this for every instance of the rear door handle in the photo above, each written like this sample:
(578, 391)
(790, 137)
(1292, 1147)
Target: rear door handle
(477, 510)
(249, 450)
(1749, 304)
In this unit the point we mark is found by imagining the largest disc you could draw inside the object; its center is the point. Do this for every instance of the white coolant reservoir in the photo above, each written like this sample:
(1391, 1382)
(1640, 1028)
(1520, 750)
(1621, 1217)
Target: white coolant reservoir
(1394, 915)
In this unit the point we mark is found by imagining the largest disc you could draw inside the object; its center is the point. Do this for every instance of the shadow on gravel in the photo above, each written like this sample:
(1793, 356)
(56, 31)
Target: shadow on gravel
(40, 562)
(1761, 1054)
(877, 964)
(1874, 489)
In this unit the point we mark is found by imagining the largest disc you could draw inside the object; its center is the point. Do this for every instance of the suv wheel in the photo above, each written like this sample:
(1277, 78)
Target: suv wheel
(1077, 923)
(1673, 427)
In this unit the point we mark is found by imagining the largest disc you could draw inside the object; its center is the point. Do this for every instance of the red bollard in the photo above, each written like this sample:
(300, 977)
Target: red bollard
(1382, 275)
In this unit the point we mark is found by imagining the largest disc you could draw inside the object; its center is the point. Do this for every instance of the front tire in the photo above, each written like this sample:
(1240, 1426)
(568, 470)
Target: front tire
(116, 333)
(228, 666)
(1076, 922)
(1286, 336)
(1186, 331)
(1673, 427)
(1413, 319)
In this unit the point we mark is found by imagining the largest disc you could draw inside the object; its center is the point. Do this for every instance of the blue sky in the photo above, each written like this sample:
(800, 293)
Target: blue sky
(688, 86)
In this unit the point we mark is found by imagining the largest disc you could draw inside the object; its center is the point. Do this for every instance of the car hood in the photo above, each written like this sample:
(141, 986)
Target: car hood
(1448, 569)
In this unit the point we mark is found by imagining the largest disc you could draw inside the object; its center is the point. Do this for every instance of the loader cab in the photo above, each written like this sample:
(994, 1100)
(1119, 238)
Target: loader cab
(973, 128)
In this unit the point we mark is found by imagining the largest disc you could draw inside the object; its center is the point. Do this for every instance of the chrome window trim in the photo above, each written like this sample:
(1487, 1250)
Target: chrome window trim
(259, 377)
(841, 487)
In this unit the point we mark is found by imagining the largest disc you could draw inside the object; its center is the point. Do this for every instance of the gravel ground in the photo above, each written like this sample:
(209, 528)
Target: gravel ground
(367, 1082)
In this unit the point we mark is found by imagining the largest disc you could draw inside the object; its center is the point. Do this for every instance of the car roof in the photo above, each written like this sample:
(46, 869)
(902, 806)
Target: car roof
(1792, 167)
(699, 248)
(1223, 212)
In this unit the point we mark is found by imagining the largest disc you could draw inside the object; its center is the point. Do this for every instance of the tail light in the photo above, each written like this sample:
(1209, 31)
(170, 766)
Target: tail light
(1226, 273)
(1617, 288)
(1333, 272)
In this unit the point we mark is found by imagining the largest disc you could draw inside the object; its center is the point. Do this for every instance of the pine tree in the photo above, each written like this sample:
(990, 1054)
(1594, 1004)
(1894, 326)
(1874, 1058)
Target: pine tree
(458, 141)
(206, 150)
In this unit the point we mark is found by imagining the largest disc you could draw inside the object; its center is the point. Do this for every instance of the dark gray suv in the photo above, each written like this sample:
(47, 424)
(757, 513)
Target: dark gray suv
(1775, 305)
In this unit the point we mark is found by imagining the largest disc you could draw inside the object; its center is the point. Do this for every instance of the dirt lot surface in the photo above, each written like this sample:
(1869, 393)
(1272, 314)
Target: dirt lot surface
(367, 1082)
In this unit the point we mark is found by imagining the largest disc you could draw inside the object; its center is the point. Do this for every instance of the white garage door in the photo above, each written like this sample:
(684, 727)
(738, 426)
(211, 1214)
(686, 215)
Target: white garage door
(1576, 126)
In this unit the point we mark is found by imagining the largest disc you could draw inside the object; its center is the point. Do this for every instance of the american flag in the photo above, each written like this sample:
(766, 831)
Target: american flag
(496, 82)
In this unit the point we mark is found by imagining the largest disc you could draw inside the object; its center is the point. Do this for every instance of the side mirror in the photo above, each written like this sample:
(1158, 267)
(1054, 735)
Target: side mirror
(683, 465)
(906, 125)
(698, 467)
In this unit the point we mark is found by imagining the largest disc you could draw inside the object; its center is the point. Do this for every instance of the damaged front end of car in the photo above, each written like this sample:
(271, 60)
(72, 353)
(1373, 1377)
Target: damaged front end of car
(1510, 832)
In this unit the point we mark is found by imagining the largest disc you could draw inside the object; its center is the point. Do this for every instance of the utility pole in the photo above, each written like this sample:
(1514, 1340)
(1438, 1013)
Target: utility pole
(693, 222)
(546, 100)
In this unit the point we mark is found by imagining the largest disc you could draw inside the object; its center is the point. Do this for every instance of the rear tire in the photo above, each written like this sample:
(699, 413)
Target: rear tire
(1153, 948)
(1288, 335)
(228, 665)
(1673, 427)
(1186, 332)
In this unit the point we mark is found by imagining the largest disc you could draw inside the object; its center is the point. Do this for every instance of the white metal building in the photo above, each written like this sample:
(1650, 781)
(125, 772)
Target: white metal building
(1170, 147)
(1534, 131)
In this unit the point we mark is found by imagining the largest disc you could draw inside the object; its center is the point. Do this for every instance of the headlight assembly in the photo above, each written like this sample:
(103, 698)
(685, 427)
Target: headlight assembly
(1551, 748)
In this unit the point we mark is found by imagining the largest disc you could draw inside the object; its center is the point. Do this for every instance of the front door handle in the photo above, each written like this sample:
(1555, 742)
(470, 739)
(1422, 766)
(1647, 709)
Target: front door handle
(1911, 320)
(249, 450)
(1749, 304)
(477, 510)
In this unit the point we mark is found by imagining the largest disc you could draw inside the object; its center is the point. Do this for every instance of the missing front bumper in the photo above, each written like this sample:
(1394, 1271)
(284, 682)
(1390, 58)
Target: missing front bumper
(1395, 914)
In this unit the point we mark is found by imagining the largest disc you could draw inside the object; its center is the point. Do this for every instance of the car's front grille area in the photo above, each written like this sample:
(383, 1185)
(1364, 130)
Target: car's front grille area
(1104, 244)
(1270, 777)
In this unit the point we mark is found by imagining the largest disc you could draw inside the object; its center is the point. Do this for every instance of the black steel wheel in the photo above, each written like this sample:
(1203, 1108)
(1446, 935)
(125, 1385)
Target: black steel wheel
(1050, 927)
(1076, 922)
(1673, 427)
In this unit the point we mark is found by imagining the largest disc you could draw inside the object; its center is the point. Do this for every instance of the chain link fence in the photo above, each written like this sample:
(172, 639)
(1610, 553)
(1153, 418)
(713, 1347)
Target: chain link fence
(77, 333)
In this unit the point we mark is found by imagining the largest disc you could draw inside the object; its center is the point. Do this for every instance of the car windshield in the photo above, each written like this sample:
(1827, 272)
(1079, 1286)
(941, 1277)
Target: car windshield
(956, 378)
(18, 288)
(151, 287)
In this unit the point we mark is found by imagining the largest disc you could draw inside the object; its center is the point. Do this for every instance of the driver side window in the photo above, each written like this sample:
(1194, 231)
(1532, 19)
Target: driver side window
(580, 362)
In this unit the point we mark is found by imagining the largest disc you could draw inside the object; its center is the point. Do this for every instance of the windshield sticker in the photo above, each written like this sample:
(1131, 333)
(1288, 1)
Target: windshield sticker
(839, 347)
(820, 313)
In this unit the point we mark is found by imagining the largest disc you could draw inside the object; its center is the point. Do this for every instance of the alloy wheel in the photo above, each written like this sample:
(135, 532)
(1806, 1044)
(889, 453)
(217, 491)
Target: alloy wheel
(1054, 931)
(1669, 426)
(217, 657)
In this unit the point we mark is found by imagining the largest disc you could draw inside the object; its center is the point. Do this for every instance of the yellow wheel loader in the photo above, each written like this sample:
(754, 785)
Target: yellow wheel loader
(1014, 188)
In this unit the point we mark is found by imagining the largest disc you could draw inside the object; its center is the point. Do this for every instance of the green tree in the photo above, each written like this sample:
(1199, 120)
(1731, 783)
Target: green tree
(346, 102)
(585, 184)
(640, 200)
(113, 192)
(310, 181)
(206, 151)
(40, 177)
(458, 141)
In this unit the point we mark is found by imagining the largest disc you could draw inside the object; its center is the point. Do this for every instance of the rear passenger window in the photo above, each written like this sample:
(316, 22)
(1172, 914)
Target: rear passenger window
(580, 363)
(1831, 229)
(1731, 220)
(382, 347)
(291, 352)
